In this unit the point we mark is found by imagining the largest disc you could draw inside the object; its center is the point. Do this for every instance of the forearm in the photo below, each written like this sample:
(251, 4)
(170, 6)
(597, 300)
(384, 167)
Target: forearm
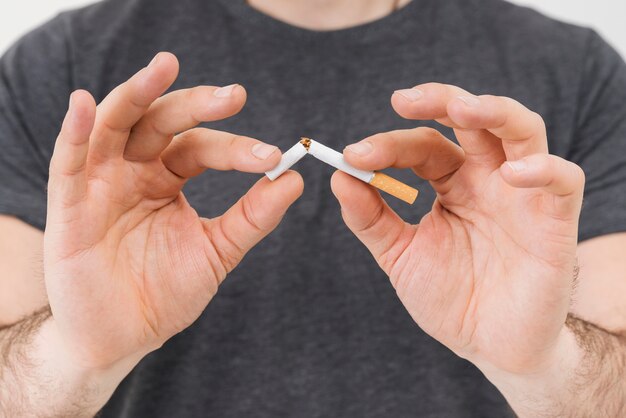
(38, 377)
(586, 379)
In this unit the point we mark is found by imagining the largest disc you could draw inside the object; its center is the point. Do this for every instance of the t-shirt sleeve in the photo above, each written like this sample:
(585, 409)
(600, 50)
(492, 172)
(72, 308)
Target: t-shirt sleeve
(599, 145)
(35, 83)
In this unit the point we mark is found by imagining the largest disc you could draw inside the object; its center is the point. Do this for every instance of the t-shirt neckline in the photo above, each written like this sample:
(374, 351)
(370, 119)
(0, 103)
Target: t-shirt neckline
(416, 11)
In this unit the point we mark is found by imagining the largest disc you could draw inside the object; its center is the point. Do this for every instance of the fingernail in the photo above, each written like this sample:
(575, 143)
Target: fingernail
(263, 151)
(471, 101)
(518, 166)
(225, 91)
(154, 61)
(361, 148)
(411, 95)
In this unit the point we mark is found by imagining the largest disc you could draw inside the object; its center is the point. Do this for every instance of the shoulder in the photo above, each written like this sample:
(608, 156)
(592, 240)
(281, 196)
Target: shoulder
(504, 14)
(527, 31)
(109, 18)
(112, 39)
(500, 48)
(512, 42)
(536, 42)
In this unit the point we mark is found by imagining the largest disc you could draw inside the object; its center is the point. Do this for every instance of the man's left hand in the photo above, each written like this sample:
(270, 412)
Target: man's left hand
(489, 271)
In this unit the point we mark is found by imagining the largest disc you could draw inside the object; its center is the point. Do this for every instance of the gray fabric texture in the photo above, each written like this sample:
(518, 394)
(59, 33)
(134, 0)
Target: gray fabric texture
(314, 333)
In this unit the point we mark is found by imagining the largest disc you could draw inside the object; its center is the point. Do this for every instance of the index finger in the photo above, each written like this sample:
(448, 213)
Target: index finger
(196, 150)
(521, 131)
(127, 103)
(430, 154)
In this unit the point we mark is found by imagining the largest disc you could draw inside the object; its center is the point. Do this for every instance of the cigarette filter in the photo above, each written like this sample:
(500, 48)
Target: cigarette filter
(394, 187)
(289, 158)
(379, 180)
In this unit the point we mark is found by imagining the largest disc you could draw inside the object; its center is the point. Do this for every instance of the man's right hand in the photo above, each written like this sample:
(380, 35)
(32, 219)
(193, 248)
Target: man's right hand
(128, 263)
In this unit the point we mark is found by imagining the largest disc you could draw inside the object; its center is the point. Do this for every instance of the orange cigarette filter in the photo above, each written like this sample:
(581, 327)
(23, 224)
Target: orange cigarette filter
(394, 187)
(377, 179)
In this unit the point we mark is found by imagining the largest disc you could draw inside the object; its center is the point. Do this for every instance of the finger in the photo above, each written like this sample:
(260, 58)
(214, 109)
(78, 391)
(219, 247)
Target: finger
(426, 102)
(430, 154)
(373, 222)
(127, 103)
(253, 217)
(68, 180)
(193, 151)
(177, 112)
(430, 102)
(482, 148)
(561, 178)
(522, 131)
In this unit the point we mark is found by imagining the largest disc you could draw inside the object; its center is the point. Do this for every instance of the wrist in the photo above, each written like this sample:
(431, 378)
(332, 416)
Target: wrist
(542, 391)
(66, 379)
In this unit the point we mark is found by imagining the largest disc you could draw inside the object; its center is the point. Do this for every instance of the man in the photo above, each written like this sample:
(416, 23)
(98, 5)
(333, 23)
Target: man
(307, 325)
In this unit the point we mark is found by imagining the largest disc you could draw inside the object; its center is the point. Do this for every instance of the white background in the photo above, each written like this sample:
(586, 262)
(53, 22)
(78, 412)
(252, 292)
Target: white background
(606, 16)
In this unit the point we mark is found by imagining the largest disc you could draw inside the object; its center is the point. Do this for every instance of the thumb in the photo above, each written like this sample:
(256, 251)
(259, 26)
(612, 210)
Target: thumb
(253, 217)
(373, 222)
(67, 182)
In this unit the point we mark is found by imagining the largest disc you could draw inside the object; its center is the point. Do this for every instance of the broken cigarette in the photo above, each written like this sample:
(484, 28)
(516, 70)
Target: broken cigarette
(331, 157)
(289, 158)
(379, 180)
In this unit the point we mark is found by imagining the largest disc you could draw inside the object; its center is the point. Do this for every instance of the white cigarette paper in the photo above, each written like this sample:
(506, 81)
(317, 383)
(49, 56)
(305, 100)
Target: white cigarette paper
(289, 158)
(379, 180)
(335, 159)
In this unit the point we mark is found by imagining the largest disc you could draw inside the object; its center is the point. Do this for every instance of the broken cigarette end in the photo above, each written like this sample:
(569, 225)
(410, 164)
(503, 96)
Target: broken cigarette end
(394, 187)
(288, 159)
(306, 143)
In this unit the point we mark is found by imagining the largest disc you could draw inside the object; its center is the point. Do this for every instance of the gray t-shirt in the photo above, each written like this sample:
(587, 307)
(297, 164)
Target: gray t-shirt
(316, 332)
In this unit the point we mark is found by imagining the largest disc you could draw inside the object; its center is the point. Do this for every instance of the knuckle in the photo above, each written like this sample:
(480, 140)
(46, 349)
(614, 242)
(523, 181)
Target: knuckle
(509, 103)
(101, 129)
(198, 93)
(128, 91)
(62, 195)
(189, 136)
(578, 173)
(54, 167)
(232, 142)
(180, 145)
(148, 126)
(514, 106)
(198, 99)
(430, 134)
(387, 149)
(58, 170)
(135, 94)
(249, 215)
(373, 221)
(544, 163)
(237, 142)
(429, 85)
(502, 100)
(228, 251)
(229, 255)
(187, 141)
(537, 120)
(385, 139)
